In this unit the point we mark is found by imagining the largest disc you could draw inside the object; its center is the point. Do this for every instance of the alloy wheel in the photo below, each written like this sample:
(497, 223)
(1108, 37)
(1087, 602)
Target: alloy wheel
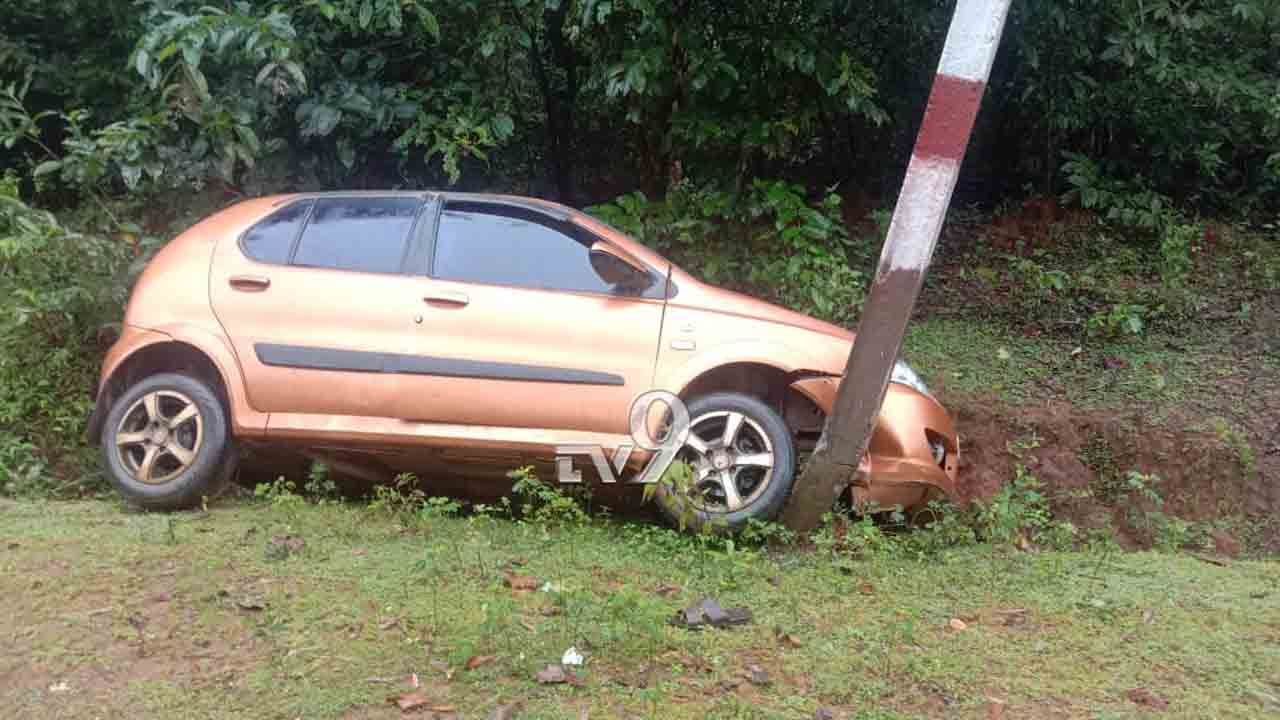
(732, 460)
(159, 436)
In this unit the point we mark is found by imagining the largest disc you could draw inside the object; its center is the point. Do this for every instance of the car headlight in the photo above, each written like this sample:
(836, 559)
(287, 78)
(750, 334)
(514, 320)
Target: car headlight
(904, 375)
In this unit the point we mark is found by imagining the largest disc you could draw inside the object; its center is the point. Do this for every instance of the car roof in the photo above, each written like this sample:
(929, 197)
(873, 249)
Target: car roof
(543, 207)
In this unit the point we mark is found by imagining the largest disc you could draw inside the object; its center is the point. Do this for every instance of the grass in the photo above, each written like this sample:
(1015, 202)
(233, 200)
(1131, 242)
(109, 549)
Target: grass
(203, 615)
(968, 357)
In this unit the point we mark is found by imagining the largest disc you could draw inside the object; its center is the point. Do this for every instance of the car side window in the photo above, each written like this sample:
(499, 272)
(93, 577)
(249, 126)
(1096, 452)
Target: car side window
(510, 246)
(366, 234)
(272, 238)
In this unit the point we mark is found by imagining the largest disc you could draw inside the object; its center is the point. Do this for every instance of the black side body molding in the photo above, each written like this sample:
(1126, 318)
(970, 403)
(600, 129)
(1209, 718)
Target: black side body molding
(312, 358)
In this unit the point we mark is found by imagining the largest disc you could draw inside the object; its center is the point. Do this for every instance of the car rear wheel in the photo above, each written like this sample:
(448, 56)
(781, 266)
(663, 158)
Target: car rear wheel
(166, 444)
(742, 461)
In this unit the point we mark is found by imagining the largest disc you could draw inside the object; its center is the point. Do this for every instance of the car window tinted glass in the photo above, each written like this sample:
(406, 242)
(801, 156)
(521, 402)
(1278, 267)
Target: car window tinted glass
(270, 240)
(482, 246)
(365, 234)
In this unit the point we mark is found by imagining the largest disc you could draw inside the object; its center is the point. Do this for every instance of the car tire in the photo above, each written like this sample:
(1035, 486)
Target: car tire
(167, 444)
(762, 426)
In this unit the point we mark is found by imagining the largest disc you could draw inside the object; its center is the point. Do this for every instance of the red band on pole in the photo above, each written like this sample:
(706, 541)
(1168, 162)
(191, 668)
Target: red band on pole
(949, 117)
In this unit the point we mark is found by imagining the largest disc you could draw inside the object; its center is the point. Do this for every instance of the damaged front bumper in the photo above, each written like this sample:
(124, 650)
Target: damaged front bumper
(914, 453)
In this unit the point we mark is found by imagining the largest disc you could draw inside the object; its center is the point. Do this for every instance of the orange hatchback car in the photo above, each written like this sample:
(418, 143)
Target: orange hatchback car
(378, 326)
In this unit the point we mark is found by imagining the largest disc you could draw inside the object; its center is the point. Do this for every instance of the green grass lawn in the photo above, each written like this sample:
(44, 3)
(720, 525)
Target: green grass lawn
(111, 613)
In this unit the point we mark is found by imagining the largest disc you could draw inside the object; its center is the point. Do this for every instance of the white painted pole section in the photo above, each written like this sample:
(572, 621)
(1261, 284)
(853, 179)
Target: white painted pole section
(973, 38)
(917, 221)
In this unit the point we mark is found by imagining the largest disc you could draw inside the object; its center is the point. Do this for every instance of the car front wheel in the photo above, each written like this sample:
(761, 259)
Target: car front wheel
(741, 461)
(166, 444)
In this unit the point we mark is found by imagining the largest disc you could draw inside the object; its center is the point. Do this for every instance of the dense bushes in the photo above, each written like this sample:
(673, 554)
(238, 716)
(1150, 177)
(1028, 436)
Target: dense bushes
(769, 241)
(58, 290)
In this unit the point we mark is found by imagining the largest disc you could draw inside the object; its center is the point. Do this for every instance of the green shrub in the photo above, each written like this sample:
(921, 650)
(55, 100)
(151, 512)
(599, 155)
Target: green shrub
(542, 503)
(1117, 320)
(59, 290)
(769, 241)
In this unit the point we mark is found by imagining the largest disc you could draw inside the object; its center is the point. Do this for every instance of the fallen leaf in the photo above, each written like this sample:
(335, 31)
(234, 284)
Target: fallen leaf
(867, 588)
(1148, 617)
(280, 547)
(478, 661)
(410, 701)
(251, 603)
(667, 590)
(556, 674)
(1014, 617)
(1146, 698)
(995, 709)
(388, 624)
(551, 674)
(520, 583)
(360, 552)
(1114, 363)
(958, 625)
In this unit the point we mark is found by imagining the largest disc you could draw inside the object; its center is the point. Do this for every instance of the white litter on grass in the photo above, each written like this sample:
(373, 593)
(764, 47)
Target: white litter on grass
(572, 657)
(549, 587)
(61, 687)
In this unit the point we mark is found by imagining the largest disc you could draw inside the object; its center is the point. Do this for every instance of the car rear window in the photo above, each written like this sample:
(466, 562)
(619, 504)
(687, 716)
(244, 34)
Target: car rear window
(363, 234)
(271, 239)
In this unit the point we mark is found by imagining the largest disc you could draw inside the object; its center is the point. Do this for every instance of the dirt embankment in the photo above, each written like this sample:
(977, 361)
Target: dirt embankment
(1227, 478)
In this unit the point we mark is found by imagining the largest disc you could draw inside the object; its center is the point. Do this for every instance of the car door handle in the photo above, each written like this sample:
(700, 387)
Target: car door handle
(447, 299)
(249, 283)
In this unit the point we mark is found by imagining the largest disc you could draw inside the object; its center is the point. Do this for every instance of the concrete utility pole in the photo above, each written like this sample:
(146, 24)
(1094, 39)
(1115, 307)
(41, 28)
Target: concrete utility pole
(931, 176)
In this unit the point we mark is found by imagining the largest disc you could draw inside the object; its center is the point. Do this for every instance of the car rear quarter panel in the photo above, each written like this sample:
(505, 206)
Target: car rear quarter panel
(170, 302)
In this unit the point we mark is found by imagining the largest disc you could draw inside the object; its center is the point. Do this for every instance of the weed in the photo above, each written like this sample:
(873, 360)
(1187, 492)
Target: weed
(761, 532)
(434, 507)
(1175, 252)
(1018, 509)
(1098, 455)
(1240, 445)
(402, 499)
(543, 503)
(1116, 320)
(319, 485)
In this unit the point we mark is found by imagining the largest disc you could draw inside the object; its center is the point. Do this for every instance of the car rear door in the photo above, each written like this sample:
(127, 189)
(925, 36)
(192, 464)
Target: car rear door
(519, 331)
(313, 298)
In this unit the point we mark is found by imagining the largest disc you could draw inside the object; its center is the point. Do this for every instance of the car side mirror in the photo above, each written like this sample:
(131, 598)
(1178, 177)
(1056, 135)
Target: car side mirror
(616, 266)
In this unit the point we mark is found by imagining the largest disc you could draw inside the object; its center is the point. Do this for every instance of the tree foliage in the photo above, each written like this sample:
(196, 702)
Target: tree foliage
(585, 99)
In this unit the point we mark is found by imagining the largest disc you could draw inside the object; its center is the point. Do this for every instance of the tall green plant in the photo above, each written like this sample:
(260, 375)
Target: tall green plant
(58, 290)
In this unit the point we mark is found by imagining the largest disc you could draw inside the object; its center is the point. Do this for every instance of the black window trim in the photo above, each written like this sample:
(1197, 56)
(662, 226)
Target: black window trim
(422, 259)
(412, 237)
(553, 220)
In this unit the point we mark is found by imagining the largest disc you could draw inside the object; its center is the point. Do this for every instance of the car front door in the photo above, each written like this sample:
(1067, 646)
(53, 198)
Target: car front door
(518, 330)
(313, 299)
